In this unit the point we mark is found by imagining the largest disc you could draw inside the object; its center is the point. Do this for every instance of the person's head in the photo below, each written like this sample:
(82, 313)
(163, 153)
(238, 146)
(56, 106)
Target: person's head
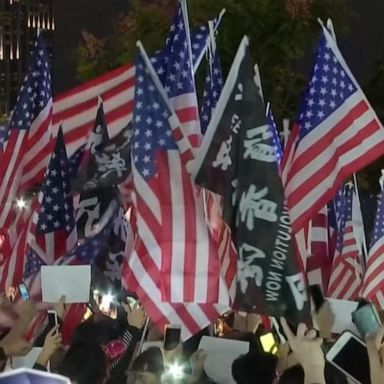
(85, 363)
(254, 367)
(292, 375)
(148, 367)
(100, 332)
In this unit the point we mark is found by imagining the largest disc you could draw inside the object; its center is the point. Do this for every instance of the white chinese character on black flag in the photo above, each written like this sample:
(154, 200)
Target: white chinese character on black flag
(240, 163)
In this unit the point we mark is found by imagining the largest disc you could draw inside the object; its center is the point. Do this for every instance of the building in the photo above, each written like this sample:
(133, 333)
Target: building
(20, 22)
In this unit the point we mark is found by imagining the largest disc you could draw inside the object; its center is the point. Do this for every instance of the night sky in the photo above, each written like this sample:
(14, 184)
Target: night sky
(96, 16)
(361, 46)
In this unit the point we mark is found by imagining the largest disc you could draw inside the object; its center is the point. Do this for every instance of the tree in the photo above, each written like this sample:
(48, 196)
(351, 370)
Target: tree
(281, 31)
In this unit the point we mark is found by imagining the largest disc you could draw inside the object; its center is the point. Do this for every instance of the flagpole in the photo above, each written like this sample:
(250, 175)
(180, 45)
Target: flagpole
(198, 61)
(286, 131)
(331, 29)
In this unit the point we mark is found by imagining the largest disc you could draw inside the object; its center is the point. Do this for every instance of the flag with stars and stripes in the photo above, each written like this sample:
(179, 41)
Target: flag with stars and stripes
(374, 275)
(174, 267)
(347, 274)
(322, 237)
(77, 107)
(15, 247)
(337, 133)
(212, 88)
(54, 231)
(174, 67)
(27, 143)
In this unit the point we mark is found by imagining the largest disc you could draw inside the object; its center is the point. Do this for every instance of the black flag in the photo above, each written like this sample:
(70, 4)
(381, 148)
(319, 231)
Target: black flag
(112, 163)
(109, 264)
(238, 161)
(97, 141)
(95, 210)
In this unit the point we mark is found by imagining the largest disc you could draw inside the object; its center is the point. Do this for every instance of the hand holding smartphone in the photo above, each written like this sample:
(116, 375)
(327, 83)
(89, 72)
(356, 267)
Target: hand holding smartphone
(172, 336)
(52, 319)
(367, 319)
(24, 294)
(317, 296)
(350, 356)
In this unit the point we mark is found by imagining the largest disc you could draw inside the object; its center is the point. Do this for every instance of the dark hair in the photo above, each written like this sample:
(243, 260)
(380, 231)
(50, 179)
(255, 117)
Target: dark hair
(150, 360)
(84, 363)
(100, 332)
(295, 375)
(292, 375)
(254, 367)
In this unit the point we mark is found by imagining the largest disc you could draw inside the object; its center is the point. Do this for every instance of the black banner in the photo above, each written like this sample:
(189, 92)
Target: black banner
(112, 164)
(109, 264)
(95, 210)
(240, 164)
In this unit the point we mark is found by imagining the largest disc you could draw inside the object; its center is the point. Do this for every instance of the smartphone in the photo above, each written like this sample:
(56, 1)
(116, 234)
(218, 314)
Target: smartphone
(268, 342)
(52, 319)
(367, 319)
(345, 352)
(172, 337)
(24, 292)
(317, 296)
(132, 301)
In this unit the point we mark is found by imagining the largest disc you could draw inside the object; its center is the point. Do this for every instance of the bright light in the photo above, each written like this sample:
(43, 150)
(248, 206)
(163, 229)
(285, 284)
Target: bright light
(176, 371)
(106, 301)
(21, 203)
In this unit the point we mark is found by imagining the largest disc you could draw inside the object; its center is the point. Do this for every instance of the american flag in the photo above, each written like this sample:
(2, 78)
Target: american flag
(174, 67)
(321, 238)
(213, 86)
(53, 232)
(77, 107)
(174, 250)
(12, 267)
(275, 138)
(27, 144)
(374, 279)
(337, 133)
(346, 275)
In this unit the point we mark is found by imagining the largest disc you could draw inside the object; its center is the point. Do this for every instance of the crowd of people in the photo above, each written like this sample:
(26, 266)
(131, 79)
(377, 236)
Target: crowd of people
(105, 350)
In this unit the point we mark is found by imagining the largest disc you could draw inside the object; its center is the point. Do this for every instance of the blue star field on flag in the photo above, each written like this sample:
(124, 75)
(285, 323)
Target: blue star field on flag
(212, 90)
(275, 139)
(345, 217)
(88, 250)
(173, 63)
(57, 212)
(378, 228)
(35, 91)
(151, 126)
(199, 37)
(329, 87)
(32, 264)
